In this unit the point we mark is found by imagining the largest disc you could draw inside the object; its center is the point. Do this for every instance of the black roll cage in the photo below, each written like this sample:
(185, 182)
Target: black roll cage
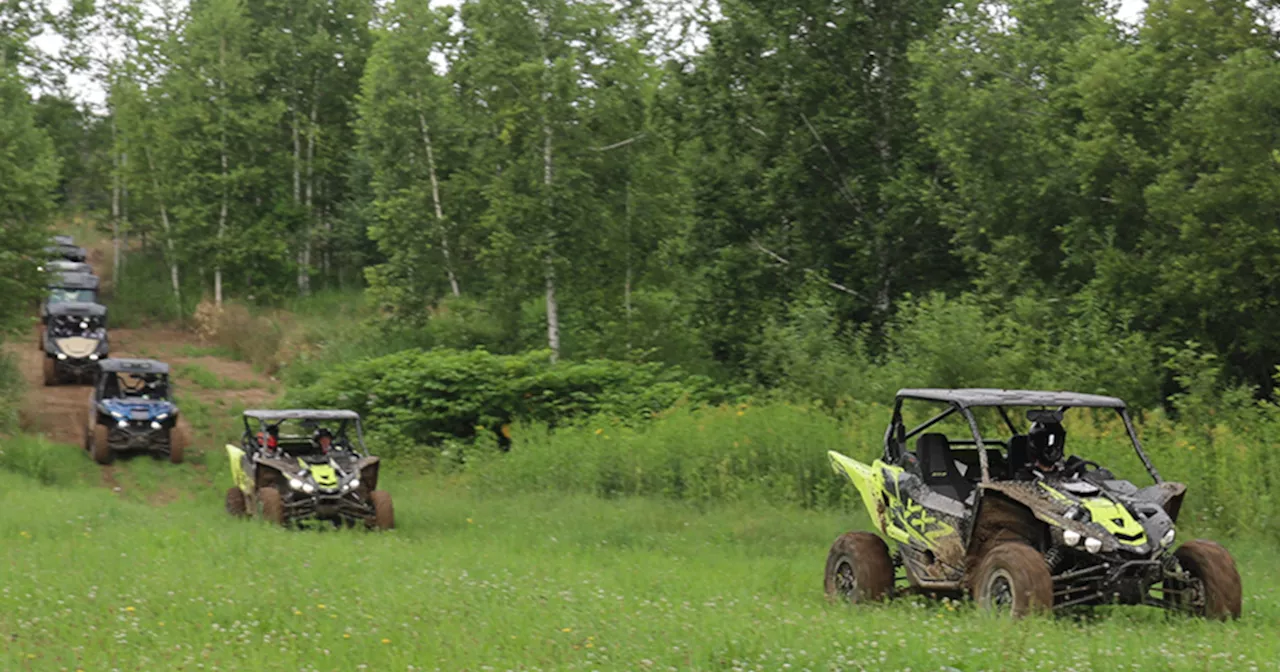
(264, 426)
(895, 437)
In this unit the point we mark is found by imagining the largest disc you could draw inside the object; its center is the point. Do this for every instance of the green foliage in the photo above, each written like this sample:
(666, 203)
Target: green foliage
(432, 395)
(775, 452)
(28, 174)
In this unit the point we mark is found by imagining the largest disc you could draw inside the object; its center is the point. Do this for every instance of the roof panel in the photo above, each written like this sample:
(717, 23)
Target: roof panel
(976, 396)
(125, 365)
(77, 308)
(74, 281)
(301, 414)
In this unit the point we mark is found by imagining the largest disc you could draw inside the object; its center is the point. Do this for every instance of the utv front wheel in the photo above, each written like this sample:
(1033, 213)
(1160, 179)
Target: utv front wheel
(858, 568)
(272, 506)
(1219, 590)
(101, 447)
(384, 516)
(236, 505)
(179, 439)
(1013, 578)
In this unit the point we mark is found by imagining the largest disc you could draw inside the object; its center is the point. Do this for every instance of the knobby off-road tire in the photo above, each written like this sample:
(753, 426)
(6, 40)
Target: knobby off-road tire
(272, 505)
(384, 515)
(101, 449)
(179, 439)
(40, 339)
(50, 372)
(859, 569)
(236, 505)
(1013, 578)
(1213, 565)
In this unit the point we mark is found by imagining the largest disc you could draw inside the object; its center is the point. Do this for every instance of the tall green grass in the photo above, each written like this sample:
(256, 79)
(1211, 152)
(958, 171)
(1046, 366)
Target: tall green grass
(97, 580)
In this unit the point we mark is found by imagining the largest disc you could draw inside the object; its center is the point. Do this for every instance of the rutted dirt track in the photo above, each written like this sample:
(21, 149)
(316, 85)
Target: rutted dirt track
(60, 412)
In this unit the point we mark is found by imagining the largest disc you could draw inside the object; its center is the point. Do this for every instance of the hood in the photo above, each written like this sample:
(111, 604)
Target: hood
(138, 409)
(1125, 524)
(77, 346)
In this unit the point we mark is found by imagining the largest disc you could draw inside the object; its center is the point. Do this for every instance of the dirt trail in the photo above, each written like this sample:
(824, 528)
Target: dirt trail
(60, 412)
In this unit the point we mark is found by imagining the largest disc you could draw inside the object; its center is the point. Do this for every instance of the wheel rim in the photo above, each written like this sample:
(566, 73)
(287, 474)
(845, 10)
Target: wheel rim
(999, 592)
(846, 579)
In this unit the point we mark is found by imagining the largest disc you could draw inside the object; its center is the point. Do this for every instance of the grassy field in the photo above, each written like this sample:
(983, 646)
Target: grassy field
(155, 576)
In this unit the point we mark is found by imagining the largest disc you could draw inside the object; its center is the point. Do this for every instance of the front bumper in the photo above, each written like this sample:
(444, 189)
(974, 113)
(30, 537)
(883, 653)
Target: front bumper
(335, 506)
(78, 367)
(138, 435)
(1130, 581)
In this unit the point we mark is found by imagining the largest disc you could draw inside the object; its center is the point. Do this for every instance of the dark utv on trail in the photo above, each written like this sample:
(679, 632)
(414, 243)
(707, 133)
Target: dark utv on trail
(74, 340)
(131, 409)
(1017, 523)
(294, 466)
(68, 251)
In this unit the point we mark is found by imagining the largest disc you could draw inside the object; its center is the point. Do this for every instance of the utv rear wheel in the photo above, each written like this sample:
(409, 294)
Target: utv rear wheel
(384, 516)
(272, 506)
(101, 448)
(235, 502)
(50, 372)
(1013, 579)
(859, 569)
(1219, 590)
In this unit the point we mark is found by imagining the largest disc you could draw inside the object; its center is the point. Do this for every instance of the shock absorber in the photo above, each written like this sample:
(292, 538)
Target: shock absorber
(1053, 557)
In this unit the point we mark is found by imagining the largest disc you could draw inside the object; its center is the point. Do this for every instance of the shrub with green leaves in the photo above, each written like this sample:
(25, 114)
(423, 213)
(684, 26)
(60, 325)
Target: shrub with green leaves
(432, 395)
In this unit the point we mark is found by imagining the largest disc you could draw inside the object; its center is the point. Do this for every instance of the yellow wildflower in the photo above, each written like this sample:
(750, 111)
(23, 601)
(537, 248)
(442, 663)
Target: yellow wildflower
(566, 629)
(129, 609)
(385, 640)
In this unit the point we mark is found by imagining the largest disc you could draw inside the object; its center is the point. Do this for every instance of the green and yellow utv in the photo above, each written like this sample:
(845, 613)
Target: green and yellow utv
(1013, 521)
(299, 466)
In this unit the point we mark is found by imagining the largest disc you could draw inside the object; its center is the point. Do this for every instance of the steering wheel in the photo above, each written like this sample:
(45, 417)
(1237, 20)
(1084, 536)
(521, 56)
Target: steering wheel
(1081, 466)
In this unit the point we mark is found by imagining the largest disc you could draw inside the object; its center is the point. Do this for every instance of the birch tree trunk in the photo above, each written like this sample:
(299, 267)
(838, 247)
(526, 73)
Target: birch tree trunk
(222, 211)
(626, 288)
(168, 232)
(304, 268)
(553, 308)
(297, 188)
(115, 206)
(435, 198)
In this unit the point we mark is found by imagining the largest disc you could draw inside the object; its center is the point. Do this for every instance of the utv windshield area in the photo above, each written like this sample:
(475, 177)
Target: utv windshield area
(149, 386)
(305, 433)
(69, 295)
(70, 319)
(970, 436)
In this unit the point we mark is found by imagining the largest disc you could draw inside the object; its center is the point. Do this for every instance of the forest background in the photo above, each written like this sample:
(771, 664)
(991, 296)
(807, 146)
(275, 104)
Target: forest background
(579, 207)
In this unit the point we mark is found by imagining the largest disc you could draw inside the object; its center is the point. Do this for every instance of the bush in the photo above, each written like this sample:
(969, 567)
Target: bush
(431, 395)
(776, 452)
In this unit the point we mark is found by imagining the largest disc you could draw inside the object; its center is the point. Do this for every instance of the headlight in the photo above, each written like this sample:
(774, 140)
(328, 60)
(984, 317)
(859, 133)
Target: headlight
(155, 425)
(84, 325)
(1092, 545)
(355, 483)
(1168, 537)
(122, 424)
(93, 358)
(62, 355)
(1070, 537)
(117, 414)
(295, 484)
(162, 416)
(308, 488)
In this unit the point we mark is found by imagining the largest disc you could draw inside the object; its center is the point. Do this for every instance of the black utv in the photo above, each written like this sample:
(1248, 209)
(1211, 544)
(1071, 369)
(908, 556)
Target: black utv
(66, 288)
(74, 341)
(70, 252)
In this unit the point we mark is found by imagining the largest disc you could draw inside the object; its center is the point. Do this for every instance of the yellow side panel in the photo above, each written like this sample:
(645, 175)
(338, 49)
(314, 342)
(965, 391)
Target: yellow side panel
(867, 479)
(241, 479)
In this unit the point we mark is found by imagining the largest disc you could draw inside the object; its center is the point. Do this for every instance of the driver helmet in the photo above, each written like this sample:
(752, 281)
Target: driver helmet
(320, 433)
(1048, 441)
